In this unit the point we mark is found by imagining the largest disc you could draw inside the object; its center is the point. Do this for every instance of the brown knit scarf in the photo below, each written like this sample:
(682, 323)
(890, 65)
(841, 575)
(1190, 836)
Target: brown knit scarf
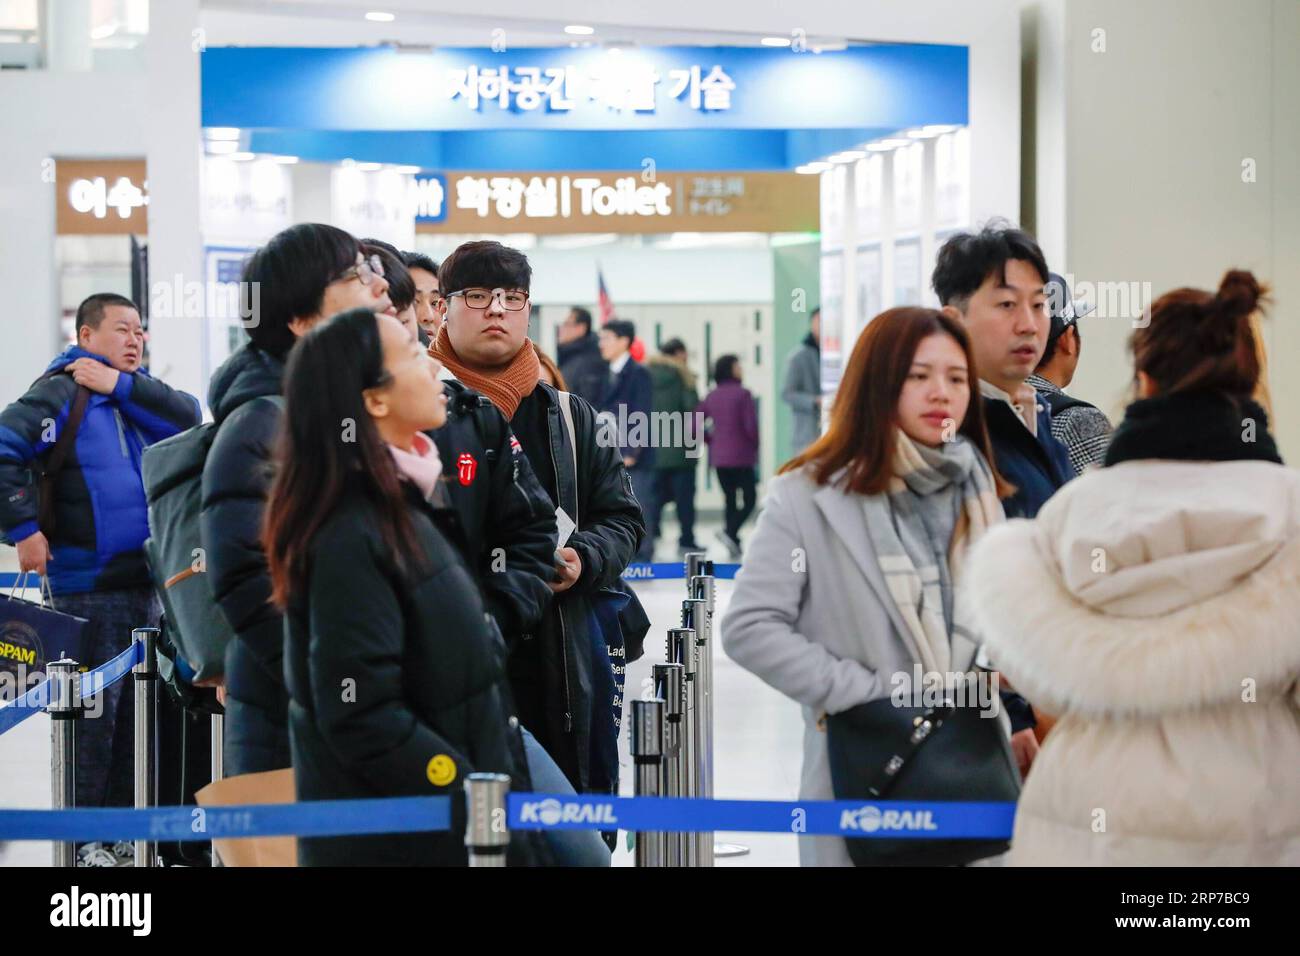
(505, 387)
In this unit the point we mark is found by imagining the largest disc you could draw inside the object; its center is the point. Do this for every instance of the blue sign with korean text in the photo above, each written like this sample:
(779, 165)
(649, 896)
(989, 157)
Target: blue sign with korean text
(883, 86)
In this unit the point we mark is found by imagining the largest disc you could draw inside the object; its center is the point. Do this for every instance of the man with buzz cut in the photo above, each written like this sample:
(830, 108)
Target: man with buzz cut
(88, 539)
(994, 282)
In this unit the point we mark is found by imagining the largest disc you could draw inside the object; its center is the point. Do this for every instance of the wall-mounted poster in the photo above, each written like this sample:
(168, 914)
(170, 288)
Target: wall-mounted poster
(952, 179)
(870, 290)
(907, 272)
(869, 194)
(907, 187)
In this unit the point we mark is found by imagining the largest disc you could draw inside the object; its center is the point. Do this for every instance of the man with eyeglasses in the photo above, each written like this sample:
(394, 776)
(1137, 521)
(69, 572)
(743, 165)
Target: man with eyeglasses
(304, 275)
(429, 307)
(563, 675)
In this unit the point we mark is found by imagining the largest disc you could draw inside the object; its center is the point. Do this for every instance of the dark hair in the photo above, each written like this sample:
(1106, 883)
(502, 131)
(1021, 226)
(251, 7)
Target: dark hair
(864, 418)
(581, 316)
(548, 363)
(291, 272)
(91, 311)
(315, 466)
(623, 328)
(401, 287)
(484, 264)
(1193, 339)
(418, 260)
(1053, 340)
(673, 346)
(814, 313)
(724, 369)
(967, 259)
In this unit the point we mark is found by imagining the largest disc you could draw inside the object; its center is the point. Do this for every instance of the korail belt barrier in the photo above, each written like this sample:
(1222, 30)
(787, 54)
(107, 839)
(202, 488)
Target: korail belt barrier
(674, 812)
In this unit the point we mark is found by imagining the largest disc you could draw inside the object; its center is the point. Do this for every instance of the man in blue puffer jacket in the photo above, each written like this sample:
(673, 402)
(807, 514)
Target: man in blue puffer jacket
(90, 541)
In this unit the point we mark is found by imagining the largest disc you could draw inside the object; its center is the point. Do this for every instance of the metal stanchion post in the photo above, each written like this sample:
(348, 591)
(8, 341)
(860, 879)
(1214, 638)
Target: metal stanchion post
(648, 755)
(486, 835)
(146, 729)
(64, 708)
(694, 561)
(695, 615)
(218, 765)
(681, 650)
(670, 689)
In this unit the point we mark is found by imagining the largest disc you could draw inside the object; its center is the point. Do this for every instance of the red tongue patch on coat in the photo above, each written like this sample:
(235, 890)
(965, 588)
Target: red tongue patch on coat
(466, 468)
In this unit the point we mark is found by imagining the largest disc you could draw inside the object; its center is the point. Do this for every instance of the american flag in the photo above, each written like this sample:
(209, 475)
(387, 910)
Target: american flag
(602, 295)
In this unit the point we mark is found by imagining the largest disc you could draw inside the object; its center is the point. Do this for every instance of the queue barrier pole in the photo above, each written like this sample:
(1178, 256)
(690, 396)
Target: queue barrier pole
(682, 651)
(145, 673)
(648, 756)
(695, 616)
(486, 833)
(65, 710)
(669, 687)
(217, 739)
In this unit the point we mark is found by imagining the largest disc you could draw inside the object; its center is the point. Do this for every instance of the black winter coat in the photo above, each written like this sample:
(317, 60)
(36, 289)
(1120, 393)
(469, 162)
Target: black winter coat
(584, 371)
(550, 670)
(506, 519)
(245, 403)
(397, 683)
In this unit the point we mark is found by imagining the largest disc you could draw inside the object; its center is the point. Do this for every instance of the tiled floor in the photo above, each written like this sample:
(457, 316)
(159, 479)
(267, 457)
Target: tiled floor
(757, 733)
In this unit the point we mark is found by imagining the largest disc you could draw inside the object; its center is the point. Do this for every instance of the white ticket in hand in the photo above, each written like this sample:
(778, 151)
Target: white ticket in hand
(564, 527)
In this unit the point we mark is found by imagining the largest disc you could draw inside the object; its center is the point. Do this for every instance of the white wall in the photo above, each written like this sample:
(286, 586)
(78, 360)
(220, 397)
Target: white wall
(1149, 188)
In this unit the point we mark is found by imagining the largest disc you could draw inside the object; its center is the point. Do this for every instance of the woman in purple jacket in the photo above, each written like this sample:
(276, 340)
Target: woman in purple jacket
(732, 436)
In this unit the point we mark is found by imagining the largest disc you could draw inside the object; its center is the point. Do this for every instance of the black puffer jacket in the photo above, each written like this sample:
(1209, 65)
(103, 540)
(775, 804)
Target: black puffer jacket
(245, 400)
(507, 519)
(584, 371)
(397, 684)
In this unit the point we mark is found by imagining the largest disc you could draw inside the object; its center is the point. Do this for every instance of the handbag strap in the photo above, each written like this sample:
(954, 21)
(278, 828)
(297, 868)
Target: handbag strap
(924, 728)
(567, 411)
(54, 461)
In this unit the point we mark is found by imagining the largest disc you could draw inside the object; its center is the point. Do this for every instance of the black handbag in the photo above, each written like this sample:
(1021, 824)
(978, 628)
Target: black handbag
(879, 751)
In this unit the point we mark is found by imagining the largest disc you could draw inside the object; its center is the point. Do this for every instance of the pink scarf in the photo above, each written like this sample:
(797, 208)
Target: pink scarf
(421, 466)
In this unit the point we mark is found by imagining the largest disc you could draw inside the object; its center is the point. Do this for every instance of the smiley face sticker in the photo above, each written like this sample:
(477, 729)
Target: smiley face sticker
(441, 770)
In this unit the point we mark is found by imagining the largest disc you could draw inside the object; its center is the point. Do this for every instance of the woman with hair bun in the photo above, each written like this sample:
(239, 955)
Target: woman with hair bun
(1154, 605)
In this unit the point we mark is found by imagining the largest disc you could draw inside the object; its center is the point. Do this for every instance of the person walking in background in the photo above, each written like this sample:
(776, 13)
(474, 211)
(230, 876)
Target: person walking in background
(731, 431)
(884, 506)
(305, 274)
(1152, 606)
(578, 353)
(625, 404)
(674, 395)
(396, 675)
(803, 387)
(1081, 427)
(89, 538)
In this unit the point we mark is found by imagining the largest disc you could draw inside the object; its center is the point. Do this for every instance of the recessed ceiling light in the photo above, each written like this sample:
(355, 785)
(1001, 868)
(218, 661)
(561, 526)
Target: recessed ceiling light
(221, 132)
(848, 156)
(775, 41)
(285, 160)
(369, 167)
(223, 147)
(412, 170)
(243, 157)
(579, 30)
(895, 142)
(817, 166)
(379, 16)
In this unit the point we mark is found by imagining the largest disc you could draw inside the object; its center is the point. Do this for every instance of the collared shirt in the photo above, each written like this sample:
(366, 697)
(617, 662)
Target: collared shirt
(616, 366)
(1084, 430)
(992, 391)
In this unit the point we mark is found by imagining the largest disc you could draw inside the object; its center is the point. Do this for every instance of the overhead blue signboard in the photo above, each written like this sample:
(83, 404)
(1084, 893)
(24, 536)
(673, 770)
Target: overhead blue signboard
(891, 86)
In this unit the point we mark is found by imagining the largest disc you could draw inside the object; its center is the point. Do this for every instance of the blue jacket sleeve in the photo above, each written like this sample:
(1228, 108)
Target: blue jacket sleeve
(158, 410)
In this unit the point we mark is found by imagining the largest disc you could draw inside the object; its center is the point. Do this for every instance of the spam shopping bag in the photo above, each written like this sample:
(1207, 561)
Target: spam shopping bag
(32, 634)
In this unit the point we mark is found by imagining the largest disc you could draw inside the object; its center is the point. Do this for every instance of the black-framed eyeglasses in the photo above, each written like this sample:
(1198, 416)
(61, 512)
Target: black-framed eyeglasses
(512, 300)
(366, 271)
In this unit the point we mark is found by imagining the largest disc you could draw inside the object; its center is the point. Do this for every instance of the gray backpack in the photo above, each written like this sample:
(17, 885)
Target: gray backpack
(173, 485)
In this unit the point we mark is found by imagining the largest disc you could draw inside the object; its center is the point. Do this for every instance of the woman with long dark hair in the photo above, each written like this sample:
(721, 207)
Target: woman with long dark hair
(396, 679)
(1152, 605)
(850, 579)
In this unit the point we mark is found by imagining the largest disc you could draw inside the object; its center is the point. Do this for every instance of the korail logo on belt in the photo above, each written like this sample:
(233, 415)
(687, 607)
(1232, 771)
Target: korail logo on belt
(871, 819)
(551, 811)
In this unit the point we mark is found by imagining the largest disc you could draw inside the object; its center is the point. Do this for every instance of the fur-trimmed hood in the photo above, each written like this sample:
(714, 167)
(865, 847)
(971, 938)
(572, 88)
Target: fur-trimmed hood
(1147, 588)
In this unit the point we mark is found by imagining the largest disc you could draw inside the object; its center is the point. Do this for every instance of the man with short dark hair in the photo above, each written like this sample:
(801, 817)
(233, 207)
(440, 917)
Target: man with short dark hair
(429, 307)
(673, 401)
(89, 538)
(994, 282)
(625, 406)
(562, 674)
(1080, 426)
(578, 355)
